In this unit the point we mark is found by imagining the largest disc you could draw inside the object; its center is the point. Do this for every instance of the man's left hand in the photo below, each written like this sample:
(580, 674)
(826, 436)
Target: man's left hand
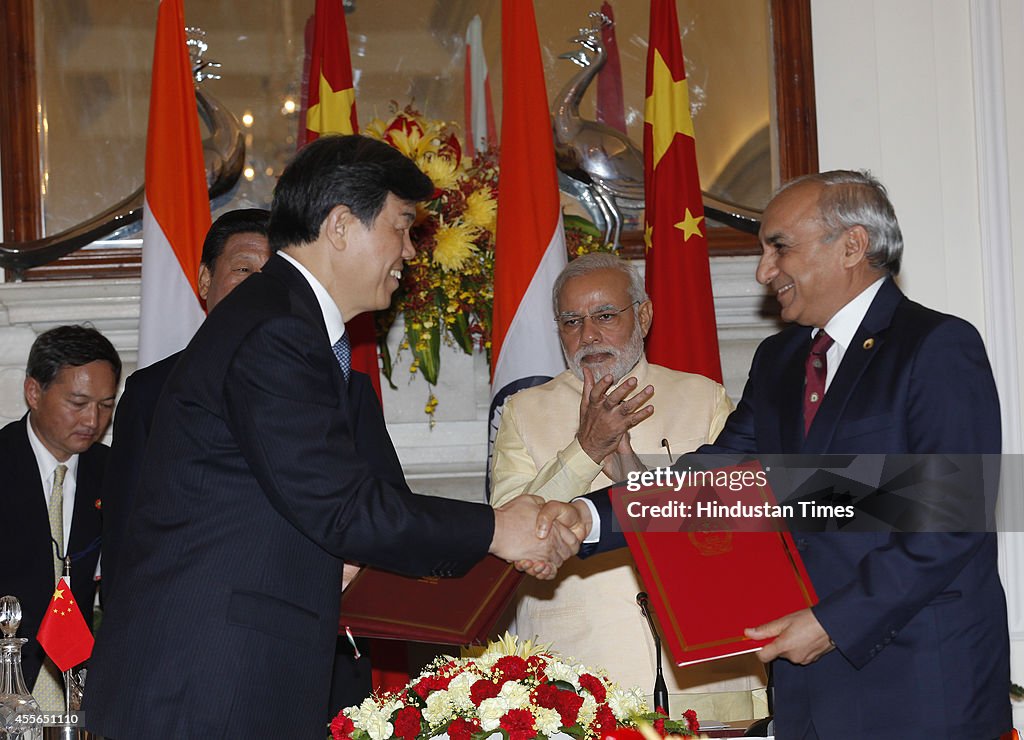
(799, 638)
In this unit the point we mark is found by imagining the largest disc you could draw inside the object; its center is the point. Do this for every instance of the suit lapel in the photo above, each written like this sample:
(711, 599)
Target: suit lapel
(867, 341)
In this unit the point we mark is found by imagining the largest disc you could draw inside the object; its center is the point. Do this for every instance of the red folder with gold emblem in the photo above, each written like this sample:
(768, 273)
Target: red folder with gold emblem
(448, 611)
(711, 577)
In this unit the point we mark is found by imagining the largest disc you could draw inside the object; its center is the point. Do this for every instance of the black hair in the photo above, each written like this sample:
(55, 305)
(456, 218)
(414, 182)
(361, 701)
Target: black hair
(241, 221)
(355, 171)
(69, 346)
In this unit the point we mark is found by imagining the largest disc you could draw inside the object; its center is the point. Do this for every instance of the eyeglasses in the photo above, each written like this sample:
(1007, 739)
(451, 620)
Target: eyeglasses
(570, 323)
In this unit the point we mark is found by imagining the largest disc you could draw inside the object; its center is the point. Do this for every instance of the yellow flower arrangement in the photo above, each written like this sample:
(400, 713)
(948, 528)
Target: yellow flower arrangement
(447, 289)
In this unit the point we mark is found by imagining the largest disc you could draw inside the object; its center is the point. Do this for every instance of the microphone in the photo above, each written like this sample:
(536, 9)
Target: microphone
(660, 689)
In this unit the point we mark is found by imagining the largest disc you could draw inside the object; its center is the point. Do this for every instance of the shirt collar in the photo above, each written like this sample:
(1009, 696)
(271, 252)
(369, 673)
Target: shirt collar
(44, 458)
(332, 314)
(848, 319)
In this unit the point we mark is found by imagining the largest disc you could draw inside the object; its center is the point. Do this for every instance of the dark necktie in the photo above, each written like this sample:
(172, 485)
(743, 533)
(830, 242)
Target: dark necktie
(343, 353)
(815, 371)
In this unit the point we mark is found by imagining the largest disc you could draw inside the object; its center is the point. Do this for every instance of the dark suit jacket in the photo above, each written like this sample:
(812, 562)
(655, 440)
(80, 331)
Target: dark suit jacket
(132, 423)
(225, 618)
(25, 531)
(919, 620)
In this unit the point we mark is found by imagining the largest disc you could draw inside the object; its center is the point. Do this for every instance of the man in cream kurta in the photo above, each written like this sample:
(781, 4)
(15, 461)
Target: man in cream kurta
(589, 612)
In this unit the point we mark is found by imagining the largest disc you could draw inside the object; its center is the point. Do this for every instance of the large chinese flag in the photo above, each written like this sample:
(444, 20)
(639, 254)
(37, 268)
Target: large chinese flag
(63, 633)
(530, 246)
(684, 335)
(176, 212)
(331, 109)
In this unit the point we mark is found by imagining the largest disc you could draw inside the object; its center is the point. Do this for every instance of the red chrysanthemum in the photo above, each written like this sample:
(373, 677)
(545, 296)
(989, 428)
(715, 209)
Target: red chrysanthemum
(518, 723)
(594, 686)
(407, 723)
(463, 729)
(510, 668)
(483, 689)
(342, 727)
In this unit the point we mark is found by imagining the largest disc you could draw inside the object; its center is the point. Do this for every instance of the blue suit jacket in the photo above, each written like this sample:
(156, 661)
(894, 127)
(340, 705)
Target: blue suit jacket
(919, 620)
(254, 488)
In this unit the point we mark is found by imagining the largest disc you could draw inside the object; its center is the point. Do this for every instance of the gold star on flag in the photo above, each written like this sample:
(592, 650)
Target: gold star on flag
(333, 114)
(648, 237)
(690, 225)
(58, 593)
(667, 109)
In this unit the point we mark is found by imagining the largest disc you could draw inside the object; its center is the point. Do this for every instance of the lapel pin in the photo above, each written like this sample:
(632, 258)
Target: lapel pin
(869, 343)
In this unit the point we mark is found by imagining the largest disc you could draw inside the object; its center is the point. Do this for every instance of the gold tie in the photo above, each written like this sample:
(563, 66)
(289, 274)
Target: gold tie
(57, 520)
(49, 688)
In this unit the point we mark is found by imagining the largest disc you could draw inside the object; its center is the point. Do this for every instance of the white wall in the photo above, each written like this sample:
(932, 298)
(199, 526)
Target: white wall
(911, 90)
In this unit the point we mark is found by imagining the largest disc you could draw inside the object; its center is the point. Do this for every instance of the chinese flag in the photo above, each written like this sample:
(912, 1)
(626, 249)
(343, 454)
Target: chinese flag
(331, 109)
(684, 335)
(63, 633)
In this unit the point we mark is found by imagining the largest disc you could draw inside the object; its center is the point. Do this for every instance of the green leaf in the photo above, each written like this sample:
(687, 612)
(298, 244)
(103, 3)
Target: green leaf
(386, 367)
(429, 356)
(460, 330)
(585, 226)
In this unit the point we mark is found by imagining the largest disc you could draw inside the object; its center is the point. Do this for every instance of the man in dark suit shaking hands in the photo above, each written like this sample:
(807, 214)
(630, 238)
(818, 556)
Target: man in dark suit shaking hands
(910, 636)
(253, 490)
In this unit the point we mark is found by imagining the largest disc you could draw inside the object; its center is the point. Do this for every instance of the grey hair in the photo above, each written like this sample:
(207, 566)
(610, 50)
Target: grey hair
(856, 198)
(588, 263)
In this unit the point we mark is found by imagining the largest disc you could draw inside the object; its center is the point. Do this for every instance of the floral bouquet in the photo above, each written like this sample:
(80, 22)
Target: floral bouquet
(447, 290)
(514, 691)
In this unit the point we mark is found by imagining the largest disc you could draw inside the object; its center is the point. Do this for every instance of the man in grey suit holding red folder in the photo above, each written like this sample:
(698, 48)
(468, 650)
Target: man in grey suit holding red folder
(910, 636)
(254, 492)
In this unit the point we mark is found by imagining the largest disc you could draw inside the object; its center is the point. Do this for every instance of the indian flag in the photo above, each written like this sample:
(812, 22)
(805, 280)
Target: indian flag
(176, 213)
(530, 246)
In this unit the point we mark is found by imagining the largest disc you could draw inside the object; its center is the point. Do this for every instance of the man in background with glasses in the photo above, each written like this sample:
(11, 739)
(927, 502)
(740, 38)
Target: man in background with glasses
(566, 438)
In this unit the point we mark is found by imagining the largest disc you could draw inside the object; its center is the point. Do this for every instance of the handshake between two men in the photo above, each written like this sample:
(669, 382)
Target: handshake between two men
(538, 535)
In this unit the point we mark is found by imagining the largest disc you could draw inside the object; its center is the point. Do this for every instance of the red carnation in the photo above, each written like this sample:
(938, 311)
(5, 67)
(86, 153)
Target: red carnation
(519, 724)
(483, 689)
(463, 729)
(546, 695)
(594, 686)
(691, 720)
(568, 706)
(536, 664)
(342, 727)
(407, 723)
(659, 727)
(604, 723)
(430, 684)
(510, 668)
(622, 733)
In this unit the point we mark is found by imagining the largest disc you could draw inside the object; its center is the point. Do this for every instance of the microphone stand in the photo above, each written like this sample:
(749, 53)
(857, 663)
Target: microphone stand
(660, 689)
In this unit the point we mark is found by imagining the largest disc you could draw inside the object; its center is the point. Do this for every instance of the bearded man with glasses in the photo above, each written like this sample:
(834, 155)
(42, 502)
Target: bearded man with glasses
(572, 435)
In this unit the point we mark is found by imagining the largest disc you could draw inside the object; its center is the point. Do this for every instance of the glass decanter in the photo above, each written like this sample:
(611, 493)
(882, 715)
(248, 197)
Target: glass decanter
(19, 712)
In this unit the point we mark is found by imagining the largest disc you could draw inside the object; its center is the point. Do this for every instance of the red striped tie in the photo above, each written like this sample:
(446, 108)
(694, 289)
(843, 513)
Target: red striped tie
(816, 369)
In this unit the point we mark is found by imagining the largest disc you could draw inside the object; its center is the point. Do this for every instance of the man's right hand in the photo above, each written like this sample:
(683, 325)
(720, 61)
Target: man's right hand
(605, 416)
(527, 531)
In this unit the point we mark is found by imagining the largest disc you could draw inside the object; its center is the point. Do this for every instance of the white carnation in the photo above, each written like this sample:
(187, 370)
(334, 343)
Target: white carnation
(361, 714)
(439, 707)
(547, 721)
(459, 690)
(517, 695)
(625, 703)
(564, 672)
(491, 712)
(588, 711)
(487, 660)
(378, 727)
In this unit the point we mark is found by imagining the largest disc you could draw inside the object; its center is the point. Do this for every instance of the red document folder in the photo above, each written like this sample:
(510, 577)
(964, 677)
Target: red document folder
(448, 611)
(708, 582)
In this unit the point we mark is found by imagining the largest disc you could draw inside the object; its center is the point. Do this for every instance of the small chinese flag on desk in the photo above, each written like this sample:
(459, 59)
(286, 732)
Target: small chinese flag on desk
(63, 633)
